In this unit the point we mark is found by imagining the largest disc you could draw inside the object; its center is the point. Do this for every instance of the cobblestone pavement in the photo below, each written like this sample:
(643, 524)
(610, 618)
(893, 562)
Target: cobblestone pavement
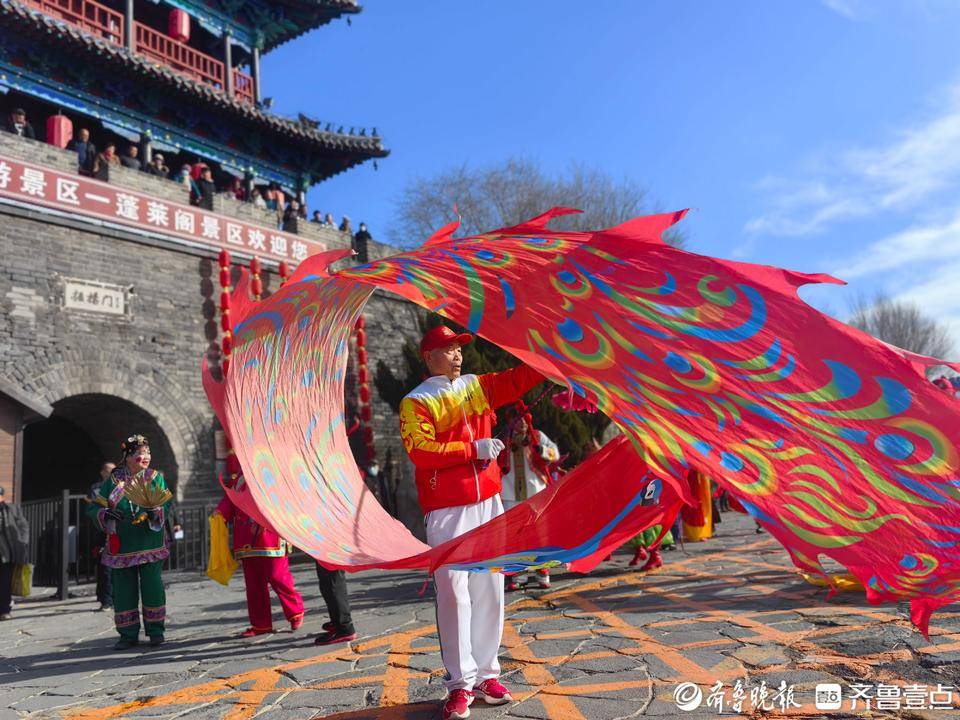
(614, 644)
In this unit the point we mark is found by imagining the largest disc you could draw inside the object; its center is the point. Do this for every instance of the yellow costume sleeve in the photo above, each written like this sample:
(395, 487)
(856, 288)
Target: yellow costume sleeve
(221, 565)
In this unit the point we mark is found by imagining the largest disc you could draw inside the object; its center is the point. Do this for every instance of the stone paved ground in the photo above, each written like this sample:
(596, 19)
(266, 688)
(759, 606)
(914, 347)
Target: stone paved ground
(614, 644)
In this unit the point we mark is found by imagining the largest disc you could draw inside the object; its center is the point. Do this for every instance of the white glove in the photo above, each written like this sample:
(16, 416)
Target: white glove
(488, 448)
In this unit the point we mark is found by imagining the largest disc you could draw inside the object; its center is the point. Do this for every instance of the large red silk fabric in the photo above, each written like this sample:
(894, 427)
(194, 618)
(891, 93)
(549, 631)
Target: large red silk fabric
(834, 441)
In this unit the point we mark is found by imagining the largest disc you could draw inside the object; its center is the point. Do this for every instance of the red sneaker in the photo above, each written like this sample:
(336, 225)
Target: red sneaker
(296, 622)
(492, 692)
(457, 705)
(653, 562)
(253, 632)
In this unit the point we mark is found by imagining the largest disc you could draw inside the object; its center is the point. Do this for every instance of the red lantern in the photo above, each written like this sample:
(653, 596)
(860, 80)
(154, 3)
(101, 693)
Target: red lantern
(224, 258)
(365, 393)
(178, 26)
(59, 130)
(225, 302)
(225, 321)
(225, 277)
(284, 269)
(368, 435)
(254, 265)
(363, 376)
(366, 414)
(227, 344)
(361, 337)
(362, 356)
(225, 364)
(360, 322)
(256, 286)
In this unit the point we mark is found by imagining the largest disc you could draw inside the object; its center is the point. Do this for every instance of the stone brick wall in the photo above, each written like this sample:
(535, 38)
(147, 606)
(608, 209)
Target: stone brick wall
(148, 360)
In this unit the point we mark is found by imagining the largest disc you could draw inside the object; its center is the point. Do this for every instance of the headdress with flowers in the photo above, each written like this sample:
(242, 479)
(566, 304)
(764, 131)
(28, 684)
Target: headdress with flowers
(132, 444)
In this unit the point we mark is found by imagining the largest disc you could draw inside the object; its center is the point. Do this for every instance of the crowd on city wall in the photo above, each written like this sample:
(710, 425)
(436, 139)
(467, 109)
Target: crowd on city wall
(201, 181)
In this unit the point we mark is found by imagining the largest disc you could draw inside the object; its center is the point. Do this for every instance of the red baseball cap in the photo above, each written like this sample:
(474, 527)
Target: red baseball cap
(441, 336)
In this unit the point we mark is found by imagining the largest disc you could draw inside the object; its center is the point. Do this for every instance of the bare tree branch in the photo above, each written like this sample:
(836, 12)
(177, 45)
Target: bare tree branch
(902, 324)
(514, 191)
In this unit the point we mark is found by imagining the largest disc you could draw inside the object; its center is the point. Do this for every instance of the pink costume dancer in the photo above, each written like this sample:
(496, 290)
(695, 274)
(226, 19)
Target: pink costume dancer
(264, 557)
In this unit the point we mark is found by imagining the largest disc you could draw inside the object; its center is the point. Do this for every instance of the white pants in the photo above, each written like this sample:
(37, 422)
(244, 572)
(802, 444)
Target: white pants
(469, 605)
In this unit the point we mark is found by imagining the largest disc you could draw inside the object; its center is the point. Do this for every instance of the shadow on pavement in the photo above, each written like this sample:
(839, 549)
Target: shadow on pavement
(409, 711)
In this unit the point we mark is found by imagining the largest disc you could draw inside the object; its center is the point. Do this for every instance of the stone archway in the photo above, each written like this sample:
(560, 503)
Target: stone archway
(184, 421)
(66, 450)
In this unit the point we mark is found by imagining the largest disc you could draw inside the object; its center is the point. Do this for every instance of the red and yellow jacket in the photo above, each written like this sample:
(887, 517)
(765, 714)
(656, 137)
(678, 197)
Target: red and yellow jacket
(439, 421)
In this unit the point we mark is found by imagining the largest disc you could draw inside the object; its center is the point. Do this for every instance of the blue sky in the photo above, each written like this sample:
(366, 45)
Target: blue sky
(822, 136)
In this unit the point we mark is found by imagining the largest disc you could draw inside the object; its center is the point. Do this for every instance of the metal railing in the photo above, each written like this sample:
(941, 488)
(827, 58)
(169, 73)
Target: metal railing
(243, 86)
(103, 22)
(177, 55)
(87, 14)
(64, 542)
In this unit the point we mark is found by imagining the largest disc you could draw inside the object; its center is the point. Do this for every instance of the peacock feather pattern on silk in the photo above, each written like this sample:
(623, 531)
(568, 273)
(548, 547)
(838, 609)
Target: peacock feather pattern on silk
(834, 441)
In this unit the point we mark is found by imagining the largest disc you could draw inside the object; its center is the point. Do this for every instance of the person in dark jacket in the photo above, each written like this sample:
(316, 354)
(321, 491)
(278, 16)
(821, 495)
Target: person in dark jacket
(86, 151)
(203, 190)
(157, 167)
(360, 241)
(290, 217)
(130, 159)
(103, 161)
(104, 582)
(14, 537)
(18, 125)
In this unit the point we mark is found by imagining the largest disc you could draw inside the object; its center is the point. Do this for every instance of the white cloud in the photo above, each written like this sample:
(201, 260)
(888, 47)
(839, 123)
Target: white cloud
(912, 168)
(850, 9)
(919, 244)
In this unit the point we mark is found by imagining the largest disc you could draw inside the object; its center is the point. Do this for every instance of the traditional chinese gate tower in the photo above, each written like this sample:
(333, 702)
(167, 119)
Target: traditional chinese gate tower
(108, 289)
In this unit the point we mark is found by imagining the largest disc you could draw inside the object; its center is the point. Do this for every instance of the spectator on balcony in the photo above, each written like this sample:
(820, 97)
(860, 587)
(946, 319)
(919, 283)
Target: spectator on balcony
(86, 151)
(256, 197)
(275, 198)
(360, 241)
(103, 161)
(345, 225)
(130, 160)
(328, 221)
(290, 217)
(203, 190)
(18, 125)
(317, 217)
(184, 177)
(157, 166)
(235, 190)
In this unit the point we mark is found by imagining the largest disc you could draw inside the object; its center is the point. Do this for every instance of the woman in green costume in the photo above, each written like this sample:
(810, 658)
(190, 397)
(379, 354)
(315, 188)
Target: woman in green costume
(135, 548)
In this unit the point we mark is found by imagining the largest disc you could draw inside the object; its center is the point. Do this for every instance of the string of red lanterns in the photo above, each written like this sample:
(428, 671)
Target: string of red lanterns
(256, 284)
(226, 347)
(363, 391)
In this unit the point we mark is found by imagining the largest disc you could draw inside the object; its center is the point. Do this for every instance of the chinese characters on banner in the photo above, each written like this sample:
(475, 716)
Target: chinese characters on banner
(82, 196)
(91, 296)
